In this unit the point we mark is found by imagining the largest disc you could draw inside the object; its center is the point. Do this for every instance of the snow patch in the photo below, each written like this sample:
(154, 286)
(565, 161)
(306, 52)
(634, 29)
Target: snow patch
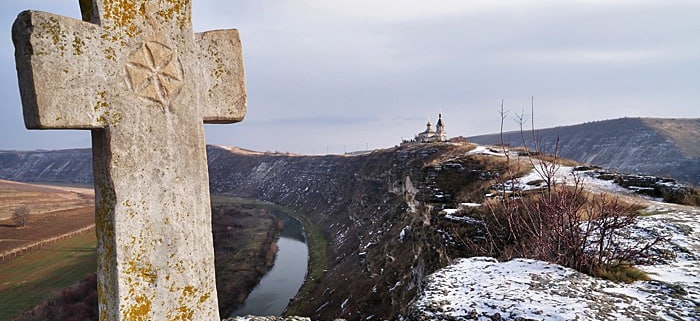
(469, 204)
(404, 230)
(480, 288)
(485, 150)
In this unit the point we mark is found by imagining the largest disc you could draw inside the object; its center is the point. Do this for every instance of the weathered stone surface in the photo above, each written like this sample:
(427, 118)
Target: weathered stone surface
(143, 82)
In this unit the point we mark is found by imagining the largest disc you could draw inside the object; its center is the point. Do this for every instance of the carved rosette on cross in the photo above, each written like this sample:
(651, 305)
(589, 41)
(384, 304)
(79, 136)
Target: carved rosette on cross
(154, 73)
(135, 74)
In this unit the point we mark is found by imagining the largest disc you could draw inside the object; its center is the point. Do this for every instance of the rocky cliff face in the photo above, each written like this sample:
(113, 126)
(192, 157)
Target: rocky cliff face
(662, 147)
(375, 210)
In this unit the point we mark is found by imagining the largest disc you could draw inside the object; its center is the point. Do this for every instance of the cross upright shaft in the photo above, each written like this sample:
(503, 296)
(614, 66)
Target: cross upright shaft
(138, 77)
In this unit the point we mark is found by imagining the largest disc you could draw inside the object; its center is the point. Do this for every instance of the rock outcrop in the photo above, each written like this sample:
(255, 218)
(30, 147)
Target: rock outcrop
(375, 210)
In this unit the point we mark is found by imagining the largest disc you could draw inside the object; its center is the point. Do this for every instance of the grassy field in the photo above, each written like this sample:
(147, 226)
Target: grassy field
(33, 277)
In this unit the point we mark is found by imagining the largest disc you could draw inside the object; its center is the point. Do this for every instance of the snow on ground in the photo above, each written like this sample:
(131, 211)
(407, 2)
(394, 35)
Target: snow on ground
(522, 289)
(564, 175)
(486, 150)
(484, 289)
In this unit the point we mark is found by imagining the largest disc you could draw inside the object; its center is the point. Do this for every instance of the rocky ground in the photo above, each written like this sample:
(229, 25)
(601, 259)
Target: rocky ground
(482, 288)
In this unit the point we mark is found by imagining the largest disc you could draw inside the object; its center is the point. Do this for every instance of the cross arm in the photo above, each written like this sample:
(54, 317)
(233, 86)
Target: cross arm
(221, 59)
(60, 82)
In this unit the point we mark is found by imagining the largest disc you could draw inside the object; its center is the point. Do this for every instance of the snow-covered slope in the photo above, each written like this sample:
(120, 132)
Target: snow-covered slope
(479, 288)
(482, 288)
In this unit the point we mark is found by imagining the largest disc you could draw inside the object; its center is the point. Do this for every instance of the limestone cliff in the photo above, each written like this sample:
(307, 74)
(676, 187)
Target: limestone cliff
(375, 210)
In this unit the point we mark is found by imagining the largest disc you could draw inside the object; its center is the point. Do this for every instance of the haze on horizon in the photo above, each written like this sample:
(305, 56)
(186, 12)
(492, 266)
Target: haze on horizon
(335, 76)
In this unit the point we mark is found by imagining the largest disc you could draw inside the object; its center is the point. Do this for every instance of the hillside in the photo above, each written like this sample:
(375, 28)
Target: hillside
(392, 217)
(363, 203)
(70, 166)
(662, 147)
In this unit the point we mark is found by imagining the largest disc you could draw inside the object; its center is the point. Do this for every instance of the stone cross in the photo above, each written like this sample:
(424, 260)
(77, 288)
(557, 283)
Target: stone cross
(135, 74)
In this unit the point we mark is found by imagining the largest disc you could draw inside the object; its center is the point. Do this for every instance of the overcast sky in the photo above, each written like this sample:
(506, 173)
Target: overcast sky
(342, 75)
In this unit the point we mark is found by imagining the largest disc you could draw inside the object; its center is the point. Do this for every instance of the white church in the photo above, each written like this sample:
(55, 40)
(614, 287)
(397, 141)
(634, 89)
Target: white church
(430, 135)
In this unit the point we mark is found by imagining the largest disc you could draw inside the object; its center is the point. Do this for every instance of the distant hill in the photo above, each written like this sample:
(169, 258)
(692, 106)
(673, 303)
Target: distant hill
(662, 147)
(73, 166)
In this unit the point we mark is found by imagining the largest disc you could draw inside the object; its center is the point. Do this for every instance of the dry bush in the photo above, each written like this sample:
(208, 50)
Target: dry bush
(558, 160)
(621, 273)
(20, 216)
(561, 224)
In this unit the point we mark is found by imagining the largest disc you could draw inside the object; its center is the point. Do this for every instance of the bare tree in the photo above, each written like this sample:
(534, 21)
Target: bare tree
(20, 215)
(560, 223)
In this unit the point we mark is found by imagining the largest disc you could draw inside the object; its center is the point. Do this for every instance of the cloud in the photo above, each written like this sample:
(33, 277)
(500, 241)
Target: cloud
(368, 72)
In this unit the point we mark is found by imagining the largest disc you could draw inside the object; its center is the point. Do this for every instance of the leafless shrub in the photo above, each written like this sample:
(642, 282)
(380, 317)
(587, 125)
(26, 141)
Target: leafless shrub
(560, 223)
(20, 216)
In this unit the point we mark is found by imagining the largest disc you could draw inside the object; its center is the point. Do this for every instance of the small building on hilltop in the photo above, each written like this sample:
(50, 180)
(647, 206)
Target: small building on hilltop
(430, 135)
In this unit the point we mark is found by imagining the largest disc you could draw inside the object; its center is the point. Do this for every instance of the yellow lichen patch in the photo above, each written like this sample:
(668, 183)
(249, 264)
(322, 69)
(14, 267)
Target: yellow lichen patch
(188, 290)
(219, 65)
(78, 45)
(177, 10)
(106, 116)
(101, 100)
(116, 118)
(104, 225)
(186, 301)
(120, 21)
(110, 53)
(184, 313)
(100, 104)
(51, 29)
(145, 272)
(140, 310)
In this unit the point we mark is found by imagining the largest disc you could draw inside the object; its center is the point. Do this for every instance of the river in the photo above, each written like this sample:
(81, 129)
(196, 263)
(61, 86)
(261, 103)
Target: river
(271, 296)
